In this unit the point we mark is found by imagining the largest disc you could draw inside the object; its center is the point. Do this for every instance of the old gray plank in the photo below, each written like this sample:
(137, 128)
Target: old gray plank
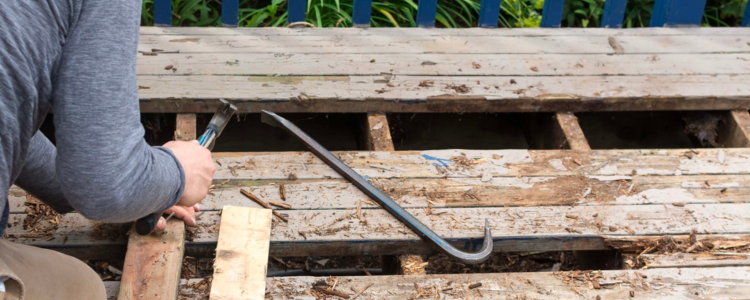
(692, 260)
(686, 283)
(495, 163)
(442, 64)
(534, 92)
(339, 232)
(472, 192)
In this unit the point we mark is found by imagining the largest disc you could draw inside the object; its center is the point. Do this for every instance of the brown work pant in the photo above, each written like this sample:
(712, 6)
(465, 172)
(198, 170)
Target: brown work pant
(41, 274)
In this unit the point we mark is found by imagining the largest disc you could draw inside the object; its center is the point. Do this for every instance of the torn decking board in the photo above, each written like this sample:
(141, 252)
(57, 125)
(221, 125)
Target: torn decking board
(329, 232)
(686, 283)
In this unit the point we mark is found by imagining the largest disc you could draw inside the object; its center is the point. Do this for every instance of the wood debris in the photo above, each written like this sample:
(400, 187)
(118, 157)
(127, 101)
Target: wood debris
(282, 191)
(262, 203)
(279, 204)
(363, 290)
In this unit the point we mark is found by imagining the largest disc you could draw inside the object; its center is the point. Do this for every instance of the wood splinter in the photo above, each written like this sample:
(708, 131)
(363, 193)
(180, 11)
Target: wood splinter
(279, 204)
(475, 285)
(362, 290)
(331, 292)
(282, 191)
(262, 203)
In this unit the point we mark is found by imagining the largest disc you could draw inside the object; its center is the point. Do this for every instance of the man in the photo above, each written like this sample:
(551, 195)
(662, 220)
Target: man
(77, 57)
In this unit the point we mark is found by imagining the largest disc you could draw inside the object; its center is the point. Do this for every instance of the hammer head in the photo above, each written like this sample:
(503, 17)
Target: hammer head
(219, 121)
(222, 116)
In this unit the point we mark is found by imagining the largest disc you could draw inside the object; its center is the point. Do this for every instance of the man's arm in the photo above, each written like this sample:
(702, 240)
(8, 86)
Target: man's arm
(38, 175)
(105, 168)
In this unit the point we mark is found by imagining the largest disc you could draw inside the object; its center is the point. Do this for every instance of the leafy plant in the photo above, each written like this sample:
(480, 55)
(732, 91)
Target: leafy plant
(450, 13)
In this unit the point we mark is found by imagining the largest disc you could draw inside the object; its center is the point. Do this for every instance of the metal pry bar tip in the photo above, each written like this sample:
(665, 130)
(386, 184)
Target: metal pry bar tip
(387, 203)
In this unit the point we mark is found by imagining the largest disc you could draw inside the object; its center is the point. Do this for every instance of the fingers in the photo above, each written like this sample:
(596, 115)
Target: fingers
(196, 207)
(187, 214)
(160, 225)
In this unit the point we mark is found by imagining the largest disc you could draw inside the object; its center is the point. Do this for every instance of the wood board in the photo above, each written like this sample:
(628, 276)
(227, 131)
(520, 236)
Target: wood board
(242, 254)
(672, 283)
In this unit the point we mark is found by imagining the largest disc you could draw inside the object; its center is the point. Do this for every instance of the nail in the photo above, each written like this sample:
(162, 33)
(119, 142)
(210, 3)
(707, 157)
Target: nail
(191, 221)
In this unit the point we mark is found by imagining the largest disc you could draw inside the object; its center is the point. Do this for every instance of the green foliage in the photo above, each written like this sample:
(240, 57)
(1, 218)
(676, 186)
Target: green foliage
(450, 13)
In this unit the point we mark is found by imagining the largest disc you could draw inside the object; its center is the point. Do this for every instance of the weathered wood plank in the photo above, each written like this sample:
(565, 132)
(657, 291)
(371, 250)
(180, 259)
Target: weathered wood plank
(409, 32)
(442, 64)
(514, 178)
(339, 232)
(473, 192)
(581, 44)
(737, 130)
(152, 263)
(691, 260)
(242, 254)
(671, 283)
(377, 133)
(404, 93)
(486, 163)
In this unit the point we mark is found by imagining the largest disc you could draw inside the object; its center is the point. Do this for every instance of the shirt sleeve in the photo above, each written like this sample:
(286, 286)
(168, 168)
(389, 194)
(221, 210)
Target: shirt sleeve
(38, 174)
(105, 168)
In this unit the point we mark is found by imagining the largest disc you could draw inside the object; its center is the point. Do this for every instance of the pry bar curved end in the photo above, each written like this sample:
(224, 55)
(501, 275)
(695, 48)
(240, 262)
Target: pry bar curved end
(386, 202)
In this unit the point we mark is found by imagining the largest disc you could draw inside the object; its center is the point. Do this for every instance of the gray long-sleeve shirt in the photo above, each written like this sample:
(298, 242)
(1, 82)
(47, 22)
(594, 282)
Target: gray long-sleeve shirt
(78, 57)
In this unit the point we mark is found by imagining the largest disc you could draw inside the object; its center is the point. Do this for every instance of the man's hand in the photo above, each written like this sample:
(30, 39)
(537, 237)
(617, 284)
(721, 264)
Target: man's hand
(199, 170)
(187, 214)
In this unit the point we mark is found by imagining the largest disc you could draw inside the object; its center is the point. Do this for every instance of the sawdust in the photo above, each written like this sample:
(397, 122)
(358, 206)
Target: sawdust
(40, 219)
(196, 290)
(111, 232)
(504, 262)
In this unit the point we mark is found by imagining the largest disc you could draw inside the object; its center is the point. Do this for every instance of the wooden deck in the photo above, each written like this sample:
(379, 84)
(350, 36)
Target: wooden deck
(535, 200)
(559, 196)
(421, 70)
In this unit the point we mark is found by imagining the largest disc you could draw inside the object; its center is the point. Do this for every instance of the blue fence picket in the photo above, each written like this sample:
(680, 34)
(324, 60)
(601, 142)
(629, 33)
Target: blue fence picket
(677, 13)
(489, 12)
(426, 11)
(361, 14)
(230, 10)
(552, 13)
(614, 13)
(746, 19)
(163, 13)
(296, 12)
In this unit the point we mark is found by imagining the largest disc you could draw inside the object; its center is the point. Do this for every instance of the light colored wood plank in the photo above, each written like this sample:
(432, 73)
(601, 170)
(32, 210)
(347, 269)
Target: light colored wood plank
(497, 163)
(737, 130)
(261, 64)
(570, 132)
(242, 254)
(671, 283)
(339, 232)
(581, 44)
(690, 260)
(377, 133)
(409, 32)
(152, 264)
(500, 192)
(518, 178)
(498, 91)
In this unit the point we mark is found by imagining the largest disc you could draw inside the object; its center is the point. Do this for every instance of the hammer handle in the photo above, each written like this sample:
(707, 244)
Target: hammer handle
(146, 225)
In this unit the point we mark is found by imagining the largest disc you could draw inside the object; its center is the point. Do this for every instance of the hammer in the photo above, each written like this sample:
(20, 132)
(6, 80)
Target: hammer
(146, 225)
